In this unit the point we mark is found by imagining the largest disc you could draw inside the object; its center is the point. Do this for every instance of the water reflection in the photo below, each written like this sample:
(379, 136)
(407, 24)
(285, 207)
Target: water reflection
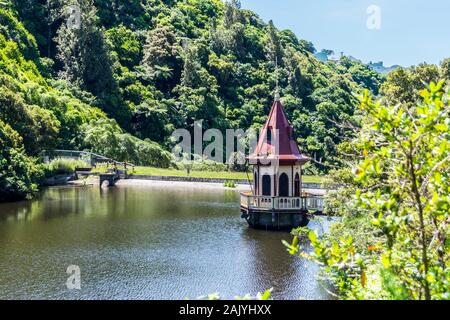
(143, 243)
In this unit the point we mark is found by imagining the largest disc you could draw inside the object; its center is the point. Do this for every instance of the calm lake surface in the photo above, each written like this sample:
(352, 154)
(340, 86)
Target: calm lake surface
(147, 242)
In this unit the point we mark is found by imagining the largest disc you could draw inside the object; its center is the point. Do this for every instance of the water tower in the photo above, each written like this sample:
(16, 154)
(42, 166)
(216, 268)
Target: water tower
(277, 200)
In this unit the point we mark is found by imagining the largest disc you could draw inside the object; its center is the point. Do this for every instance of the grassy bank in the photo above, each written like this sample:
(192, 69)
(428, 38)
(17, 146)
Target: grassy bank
(150, 171)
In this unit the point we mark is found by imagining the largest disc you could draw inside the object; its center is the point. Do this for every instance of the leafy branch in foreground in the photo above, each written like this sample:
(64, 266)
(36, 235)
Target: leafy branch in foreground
(408, 160)
(403, 187)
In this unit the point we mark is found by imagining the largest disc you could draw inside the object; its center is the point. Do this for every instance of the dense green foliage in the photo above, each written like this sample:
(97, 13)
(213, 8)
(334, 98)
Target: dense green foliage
(157, 65)
(154, 66)
(403, 85)
(105, 137)
(19, 173)
(393, 239)
(406, 188)
(361, 74)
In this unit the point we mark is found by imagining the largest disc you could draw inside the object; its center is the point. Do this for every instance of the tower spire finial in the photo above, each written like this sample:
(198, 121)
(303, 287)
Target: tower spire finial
(277, 88)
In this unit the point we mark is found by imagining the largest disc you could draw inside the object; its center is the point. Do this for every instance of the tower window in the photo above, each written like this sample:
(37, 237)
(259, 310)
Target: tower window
(266, 185)
(269, 135)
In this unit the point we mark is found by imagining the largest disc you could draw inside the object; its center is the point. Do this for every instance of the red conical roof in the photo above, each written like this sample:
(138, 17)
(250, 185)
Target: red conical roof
(288, 152)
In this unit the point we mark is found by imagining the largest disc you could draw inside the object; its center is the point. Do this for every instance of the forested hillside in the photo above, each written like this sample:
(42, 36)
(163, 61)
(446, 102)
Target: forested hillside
(117, 77)
(130, 72)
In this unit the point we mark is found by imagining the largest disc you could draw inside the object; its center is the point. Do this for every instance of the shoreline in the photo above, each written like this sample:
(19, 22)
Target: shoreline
(186, 179)
(93, 181)
(146, 183)
(204, 181)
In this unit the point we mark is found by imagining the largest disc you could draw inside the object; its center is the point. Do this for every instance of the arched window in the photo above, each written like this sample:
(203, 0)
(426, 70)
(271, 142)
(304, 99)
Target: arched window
(284, 185)
(297, 185)
(255, 183)
(266, 185)
(269, 135)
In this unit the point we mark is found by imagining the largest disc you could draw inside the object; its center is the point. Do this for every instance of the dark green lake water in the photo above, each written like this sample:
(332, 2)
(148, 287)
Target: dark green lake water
(144, 243)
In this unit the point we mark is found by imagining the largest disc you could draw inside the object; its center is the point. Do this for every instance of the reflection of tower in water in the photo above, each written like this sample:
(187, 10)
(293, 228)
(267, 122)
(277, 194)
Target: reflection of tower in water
(273, 267)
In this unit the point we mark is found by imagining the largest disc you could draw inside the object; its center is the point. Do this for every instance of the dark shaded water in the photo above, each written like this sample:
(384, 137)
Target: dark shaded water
(143, 243)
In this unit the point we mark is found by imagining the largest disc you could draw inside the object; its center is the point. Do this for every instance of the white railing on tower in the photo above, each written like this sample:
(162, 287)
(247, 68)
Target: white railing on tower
(314, 203)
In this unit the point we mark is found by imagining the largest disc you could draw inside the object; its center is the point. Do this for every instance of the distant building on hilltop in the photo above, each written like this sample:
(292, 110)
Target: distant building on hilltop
(351, 58)
(328, 55)
(379, 67)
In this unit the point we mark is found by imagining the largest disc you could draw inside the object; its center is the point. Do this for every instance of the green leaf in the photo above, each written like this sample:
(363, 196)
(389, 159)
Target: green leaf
(266, 295)
(385, 260)
(312, 236)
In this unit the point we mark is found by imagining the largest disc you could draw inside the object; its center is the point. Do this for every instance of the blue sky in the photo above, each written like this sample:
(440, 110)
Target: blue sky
(412, 31)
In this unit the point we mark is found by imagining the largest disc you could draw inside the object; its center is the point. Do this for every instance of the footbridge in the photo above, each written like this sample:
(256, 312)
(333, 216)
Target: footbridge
(115, 170)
